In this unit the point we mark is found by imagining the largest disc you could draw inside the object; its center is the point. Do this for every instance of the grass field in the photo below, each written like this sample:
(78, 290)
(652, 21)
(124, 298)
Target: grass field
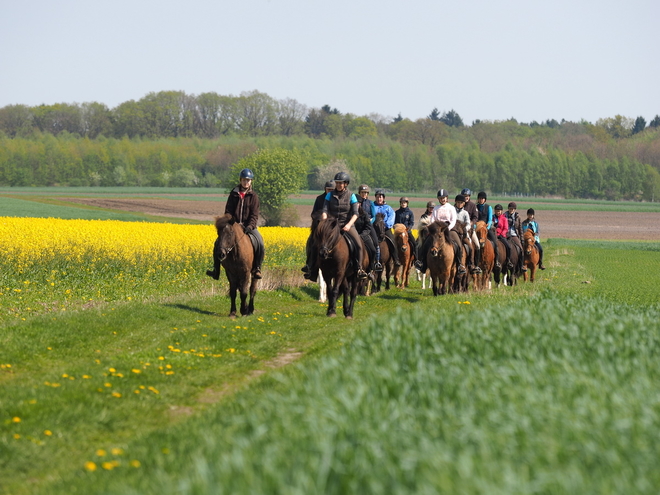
(548, 388)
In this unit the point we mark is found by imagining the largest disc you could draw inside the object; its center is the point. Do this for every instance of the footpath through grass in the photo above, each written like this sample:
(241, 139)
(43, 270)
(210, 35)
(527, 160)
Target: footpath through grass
(550, 388)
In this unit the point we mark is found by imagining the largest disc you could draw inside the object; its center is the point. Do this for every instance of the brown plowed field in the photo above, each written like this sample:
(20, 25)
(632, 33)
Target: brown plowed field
(567, 224)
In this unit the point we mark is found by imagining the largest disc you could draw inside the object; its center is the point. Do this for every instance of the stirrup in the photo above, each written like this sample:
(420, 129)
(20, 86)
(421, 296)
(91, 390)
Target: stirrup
(256, 273)
(378, 266)
(419, 265)
(542, 267)
(305, 269)
(362, 275)
(476, 270)
(498, 264)
(461, 270)
(510, 265)
(524, 268)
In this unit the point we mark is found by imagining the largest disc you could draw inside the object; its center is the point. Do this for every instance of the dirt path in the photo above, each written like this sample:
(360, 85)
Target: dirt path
(567, 224)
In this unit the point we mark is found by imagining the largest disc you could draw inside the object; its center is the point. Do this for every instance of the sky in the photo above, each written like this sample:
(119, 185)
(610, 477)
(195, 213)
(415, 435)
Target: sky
(485, 59)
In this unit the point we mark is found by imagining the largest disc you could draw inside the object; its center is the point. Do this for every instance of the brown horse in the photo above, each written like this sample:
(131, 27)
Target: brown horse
(461, 281)
(531, 253)
(386, 258)
(233, 250)
(336, 267)
(440, 259)
(402, 242)
(487, 262)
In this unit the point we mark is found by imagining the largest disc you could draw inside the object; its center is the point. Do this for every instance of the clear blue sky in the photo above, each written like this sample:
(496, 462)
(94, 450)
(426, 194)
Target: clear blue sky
(488, 60)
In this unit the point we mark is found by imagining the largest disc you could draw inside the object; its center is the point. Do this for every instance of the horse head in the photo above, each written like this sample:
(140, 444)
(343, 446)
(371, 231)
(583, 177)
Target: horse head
(226, 235)
(436, 232)
(529, 241)
(326, 236)
(482, 233)
(379, 226)
(401, 236)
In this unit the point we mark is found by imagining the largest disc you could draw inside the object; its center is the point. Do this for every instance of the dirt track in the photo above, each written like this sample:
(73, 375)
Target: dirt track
(567, 224)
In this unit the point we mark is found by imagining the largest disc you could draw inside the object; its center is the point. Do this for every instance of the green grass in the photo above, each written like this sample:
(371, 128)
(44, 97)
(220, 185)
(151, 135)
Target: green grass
(548, 388)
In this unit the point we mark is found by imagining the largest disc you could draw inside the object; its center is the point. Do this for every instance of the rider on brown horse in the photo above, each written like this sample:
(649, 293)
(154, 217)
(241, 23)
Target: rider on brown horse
(445, 213)
(311, 268)
(344, 206)
(243, 206)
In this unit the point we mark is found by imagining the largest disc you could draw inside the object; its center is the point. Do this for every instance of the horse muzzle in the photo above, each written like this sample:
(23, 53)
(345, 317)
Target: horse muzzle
(434, 252)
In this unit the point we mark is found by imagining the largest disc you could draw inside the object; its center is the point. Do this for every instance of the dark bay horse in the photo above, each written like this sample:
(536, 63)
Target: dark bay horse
(531, 253)
(385, 256)
(440, 259)
(462, 281)
(487, 262)
(336, 266)
(233, 250)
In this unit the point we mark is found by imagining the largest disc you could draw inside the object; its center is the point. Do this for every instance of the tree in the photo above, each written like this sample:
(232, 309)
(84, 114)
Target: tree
(618, 127)
(640, 125)
(435, 114)
(16, 120)
(452, 118)
(655, 122)
(398, 118)
(277, 174)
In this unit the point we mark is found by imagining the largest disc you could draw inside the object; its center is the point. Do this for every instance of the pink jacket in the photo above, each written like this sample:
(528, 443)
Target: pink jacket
(502, 226)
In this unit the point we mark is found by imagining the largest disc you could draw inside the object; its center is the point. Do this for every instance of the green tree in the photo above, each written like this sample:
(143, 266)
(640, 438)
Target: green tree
(277, 174)
(655, 122)
(452, 119)
(640, 125)
(434, 115)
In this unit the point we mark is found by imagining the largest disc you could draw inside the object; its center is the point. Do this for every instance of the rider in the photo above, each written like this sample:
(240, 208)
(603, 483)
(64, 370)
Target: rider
(405, 216)
(388, 217)
(502, 229)
(311, 269)
(243, 206)
(515, 232)
(530, 223)
(343, 205)
(445, 213)
(367, 211)
(463, 218)
(471, 208)
(486, 215)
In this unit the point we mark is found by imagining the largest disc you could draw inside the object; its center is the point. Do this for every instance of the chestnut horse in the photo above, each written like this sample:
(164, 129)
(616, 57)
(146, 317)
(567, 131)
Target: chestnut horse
(336, 266)
(402, 242)
(233, 250)
(440, 259)
(531, 253)
(386, 258)
(487, 262)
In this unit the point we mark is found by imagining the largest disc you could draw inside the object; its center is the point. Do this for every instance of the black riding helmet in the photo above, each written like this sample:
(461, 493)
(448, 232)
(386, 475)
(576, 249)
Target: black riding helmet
(246, 173)
(343, 177)
(442, 193)
(498, 207)
(482, 194)
(380, 192)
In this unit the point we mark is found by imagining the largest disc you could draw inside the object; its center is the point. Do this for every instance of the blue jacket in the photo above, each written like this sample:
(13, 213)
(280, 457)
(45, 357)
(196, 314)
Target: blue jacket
(388, 212)
(405, 216)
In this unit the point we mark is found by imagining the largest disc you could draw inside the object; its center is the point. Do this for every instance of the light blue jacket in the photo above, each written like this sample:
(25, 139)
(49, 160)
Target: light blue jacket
(387, 211)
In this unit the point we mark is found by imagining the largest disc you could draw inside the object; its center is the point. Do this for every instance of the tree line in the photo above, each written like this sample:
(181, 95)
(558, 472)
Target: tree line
(519, 166)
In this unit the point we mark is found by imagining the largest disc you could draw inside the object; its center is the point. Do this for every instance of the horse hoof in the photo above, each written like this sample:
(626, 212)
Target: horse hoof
(349, 317)
(232, 316)
(332, 315)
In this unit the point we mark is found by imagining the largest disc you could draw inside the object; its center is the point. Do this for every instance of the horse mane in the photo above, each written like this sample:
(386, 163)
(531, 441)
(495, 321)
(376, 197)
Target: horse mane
(399, 229)
(528, 234)
(437, 228)
(459, 228)
(481, 224)
(328, 231)
(222, 221)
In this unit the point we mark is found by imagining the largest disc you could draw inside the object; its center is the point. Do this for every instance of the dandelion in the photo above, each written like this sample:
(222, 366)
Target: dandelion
(15, 419)
(90, 466)
(48, 433)
(135, 463)
(134, 370)
(17, 436)
(117, 451)
(107, 384)
(101, 453)
(116, 394)
(109, 466)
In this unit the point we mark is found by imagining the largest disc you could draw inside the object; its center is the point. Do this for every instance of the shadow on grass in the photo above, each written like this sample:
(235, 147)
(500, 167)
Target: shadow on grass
(400, 297)
(192, 309)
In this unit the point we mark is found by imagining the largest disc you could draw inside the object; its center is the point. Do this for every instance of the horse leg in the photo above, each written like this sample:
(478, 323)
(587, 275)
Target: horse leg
(323, 289)
(244, 295)
(253, 292)
(350, 294)
(233, 287)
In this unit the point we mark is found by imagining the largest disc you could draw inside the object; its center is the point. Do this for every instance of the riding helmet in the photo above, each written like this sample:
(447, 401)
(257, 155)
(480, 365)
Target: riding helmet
(380, 192)
(363, 187)
(443, 193)
(343, 177)
(404, 199)
(246, 173)
(430, 204)
(513, 205)
(459, 197)
(482, 194)
(498, 207)
(530, 211)
(466, 192)
(330, 184)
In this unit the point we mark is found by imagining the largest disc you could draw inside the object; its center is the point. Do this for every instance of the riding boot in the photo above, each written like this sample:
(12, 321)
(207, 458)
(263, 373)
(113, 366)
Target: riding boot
(541, 261)
(420, 264)
(259, 253)
(460, 269)
(477, 261)
(215, 273)
(378, 266)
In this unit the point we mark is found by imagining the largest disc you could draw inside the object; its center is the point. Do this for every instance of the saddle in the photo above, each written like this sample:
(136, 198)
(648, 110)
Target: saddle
(352, 249)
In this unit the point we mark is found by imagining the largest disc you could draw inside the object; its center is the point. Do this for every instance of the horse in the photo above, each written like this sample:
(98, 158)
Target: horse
(386, 258)
(323, 287)
(487, 262)
(336, 266)
(531, 253)
(402, 242)
(233, 250)
(440, 259)
(422, 233)
(461, 281)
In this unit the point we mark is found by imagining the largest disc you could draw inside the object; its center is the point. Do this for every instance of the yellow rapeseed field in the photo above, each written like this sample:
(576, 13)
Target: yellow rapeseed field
(51, 262)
